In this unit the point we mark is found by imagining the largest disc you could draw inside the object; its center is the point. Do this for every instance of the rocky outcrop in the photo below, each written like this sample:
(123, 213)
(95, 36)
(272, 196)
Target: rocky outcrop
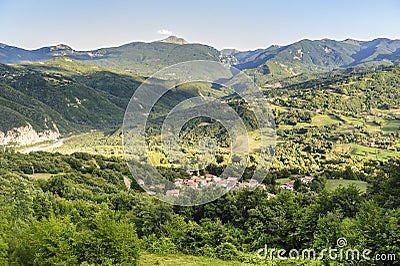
(27, 135)
(175, 40)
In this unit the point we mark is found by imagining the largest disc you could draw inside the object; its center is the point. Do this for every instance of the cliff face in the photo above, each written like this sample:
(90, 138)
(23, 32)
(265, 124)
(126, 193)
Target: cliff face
(27, 135)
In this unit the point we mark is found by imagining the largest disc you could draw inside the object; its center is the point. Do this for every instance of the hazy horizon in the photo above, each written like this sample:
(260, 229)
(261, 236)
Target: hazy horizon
(89, 25)
(150, 41)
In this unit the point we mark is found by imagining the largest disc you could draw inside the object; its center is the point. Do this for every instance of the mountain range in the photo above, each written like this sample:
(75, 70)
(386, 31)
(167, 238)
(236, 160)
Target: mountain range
(136, 57)
(319, 55)
(56, 90)
(146, 58)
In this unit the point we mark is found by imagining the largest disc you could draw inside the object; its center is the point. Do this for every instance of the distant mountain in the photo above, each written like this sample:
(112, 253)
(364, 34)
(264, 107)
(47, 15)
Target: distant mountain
(146, 58)
(15, 55)
(319, 55)
(136, 57)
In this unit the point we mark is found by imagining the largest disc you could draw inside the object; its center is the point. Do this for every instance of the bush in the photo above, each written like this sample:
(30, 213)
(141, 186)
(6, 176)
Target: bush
(226, 251)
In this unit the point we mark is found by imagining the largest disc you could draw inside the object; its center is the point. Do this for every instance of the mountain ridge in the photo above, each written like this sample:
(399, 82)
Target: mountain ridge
(321, 55)
(147, 57)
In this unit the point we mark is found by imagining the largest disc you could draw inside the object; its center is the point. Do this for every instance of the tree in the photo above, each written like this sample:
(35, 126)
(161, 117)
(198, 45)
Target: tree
(327, 230)
(386, 190)
(107, 238)
(4, 233)
(51, 241)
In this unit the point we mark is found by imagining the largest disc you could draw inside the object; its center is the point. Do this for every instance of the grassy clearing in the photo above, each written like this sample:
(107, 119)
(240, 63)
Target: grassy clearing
(318, 120)
(343, 148)
(372, 153)
(352, 121)
(391, 126)
(285, 127)
(366, 152)
(372, 127)
(42, 176)
(253, 139)
(279, 108)
(346, 129)
(281, 181)
(182, 260)
(93, 142)
(332, 184)
(324, 120)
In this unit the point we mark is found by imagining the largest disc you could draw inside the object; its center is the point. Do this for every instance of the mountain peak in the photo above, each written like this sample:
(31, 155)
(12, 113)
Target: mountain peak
(60, 47)
(352, 41)
(174, 40)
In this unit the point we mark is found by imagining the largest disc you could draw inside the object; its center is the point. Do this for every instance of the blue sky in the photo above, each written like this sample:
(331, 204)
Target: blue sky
(245, 25)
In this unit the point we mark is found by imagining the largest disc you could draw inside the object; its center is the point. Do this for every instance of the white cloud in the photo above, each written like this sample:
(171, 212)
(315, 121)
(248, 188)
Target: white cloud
(164, 32)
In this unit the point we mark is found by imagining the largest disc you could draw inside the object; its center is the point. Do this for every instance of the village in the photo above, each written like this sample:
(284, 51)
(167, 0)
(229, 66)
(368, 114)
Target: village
(230, 183)
(196, 181)
(291, 184)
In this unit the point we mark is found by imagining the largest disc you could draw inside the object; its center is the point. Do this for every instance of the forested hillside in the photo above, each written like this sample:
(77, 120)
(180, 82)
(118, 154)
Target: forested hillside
(49, 97)
(75, 209)
(136, 57)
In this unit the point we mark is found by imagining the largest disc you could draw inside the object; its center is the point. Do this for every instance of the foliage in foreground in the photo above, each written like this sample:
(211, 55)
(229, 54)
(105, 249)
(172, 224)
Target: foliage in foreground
(83, 215)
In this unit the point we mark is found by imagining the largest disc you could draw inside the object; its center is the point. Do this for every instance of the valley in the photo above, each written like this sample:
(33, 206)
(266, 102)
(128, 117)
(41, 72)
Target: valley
(336, 107)
(325, 124)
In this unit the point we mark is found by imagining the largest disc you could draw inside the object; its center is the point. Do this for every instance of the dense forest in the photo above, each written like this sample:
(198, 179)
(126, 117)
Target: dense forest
(75, 209)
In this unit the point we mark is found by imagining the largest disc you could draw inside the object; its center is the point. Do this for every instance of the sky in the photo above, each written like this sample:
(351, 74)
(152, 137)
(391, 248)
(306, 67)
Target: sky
(243, 25)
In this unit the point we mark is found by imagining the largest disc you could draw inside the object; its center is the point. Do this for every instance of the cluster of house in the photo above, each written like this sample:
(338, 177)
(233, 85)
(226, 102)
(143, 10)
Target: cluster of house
(290, 185)
(199, 182)
(211, 180)
(230, 183)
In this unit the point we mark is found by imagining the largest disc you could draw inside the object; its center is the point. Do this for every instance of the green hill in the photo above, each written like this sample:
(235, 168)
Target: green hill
(137, 57)
(63, 96)
(68, 96)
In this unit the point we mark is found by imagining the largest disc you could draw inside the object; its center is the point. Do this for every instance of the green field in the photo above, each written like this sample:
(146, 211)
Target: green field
(182, 260)
(372, 127)
(324, 120)
(332, 184)
(391, 126)
(94, 142)
(366, 152)
(41, 176)
(387, 126)
(373, 153)
(352, 121)
(281, 181)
